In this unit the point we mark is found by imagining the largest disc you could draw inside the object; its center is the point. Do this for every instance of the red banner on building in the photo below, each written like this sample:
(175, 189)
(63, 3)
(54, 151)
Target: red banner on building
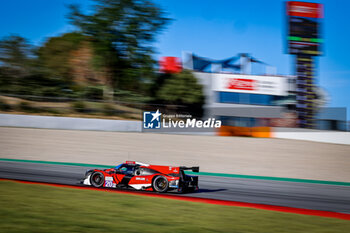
(305, 9)
(241, 84)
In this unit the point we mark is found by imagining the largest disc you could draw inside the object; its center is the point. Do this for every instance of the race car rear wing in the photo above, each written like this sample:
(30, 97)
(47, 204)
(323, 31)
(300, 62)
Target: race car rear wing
(194, 169)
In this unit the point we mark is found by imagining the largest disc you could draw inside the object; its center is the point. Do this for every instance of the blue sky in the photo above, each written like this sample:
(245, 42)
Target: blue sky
(216, 29)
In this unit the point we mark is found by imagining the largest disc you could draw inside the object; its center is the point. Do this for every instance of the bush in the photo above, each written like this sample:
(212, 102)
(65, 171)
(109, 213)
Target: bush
(181, 88)
(51, 110)
(27, 107)
(79, 106)
(4, 106)
(128, 96)
(93, 93)
(108, 110)
(50, 91)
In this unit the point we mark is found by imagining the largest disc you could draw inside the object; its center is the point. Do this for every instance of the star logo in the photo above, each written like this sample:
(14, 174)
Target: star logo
(156, 115)
(151, 120)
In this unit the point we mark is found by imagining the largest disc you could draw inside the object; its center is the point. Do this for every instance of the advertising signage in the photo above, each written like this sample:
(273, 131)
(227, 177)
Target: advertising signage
(254, 84)
(304, 34)
(305, 9)
(305, 41)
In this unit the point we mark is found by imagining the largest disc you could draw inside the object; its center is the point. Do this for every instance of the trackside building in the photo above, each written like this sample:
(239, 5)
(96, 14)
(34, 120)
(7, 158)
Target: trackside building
(248, 105)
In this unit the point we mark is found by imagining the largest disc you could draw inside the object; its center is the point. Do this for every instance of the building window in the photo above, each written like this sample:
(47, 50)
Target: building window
(245, 98)
(244, 121)
(261, 99)
(238, 121)
(229, 97)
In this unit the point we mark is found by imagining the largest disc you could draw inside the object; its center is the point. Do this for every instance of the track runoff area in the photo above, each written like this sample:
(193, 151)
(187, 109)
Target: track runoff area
(308, 197)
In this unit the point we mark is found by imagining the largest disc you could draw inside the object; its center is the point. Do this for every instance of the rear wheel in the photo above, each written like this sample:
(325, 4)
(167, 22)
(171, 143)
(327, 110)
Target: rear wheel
(160, 184)
(97, 179)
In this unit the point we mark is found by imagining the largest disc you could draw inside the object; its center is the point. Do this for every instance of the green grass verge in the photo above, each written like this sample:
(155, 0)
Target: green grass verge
(39, 208)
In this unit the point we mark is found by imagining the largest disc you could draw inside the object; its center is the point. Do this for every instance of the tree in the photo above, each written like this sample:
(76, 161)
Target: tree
(16, 56)
(55, 54)
(122, 33)
(182, 89)
(19, 70)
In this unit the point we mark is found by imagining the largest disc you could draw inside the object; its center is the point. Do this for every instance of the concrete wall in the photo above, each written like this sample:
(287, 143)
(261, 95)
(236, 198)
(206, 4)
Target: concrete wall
(50, 122)
(70, 123)
(327, 136)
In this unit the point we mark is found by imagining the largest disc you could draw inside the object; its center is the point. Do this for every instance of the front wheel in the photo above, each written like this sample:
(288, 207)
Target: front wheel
(160, 184)
(97, 179)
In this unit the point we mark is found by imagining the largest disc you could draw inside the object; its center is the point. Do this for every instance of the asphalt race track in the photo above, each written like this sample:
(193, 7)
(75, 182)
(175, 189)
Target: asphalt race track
(325, 197)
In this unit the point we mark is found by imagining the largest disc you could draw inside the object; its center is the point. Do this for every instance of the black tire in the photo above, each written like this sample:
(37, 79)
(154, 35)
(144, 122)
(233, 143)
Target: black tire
(191, 190)
(97, 179)
(180, 190)
(160, 184)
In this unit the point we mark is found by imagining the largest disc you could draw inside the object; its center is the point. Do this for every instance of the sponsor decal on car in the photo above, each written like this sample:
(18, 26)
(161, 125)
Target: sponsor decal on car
(108, 184)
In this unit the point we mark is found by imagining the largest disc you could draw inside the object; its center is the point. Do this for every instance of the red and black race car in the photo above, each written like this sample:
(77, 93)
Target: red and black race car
(142, 176)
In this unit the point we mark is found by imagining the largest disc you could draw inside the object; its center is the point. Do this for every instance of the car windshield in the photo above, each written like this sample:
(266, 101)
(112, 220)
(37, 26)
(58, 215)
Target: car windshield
(125, 169)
